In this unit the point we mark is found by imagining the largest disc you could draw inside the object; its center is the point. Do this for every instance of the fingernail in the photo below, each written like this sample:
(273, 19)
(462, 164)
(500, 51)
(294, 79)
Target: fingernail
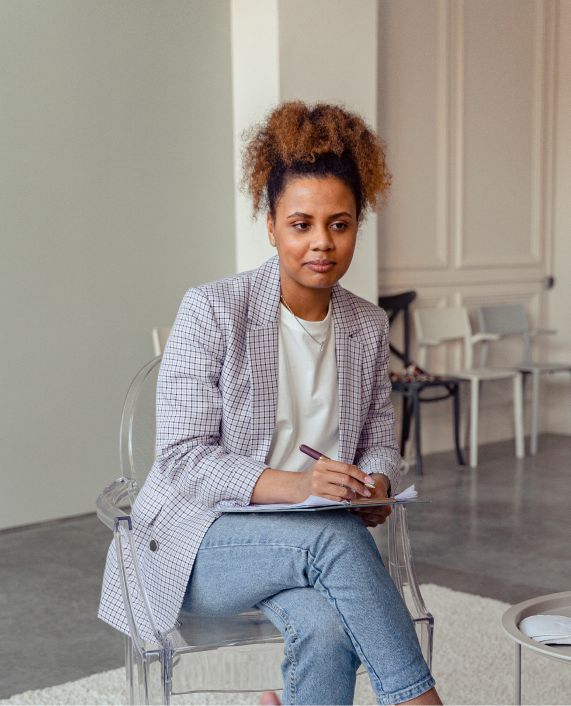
(367, 493)
(369, 482)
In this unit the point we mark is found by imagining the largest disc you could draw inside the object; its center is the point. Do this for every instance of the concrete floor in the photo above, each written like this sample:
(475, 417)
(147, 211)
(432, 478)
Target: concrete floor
(501, 531)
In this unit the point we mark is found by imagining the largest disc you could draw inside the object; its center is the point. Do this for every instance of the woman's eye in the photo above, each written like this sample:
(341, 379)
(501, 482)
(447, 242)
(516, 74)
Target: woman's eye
(339, 226)
(301, 226)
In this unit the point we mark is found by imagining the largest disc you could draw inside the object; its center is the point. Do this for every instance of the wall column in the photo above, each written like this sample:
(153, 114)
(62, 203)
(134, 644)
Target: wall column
(313, 50)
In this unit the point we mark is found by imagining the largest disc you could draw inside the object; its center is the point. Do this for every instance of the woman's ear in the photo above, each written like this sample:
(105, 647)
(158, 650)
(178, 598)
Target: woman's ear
(270, 222)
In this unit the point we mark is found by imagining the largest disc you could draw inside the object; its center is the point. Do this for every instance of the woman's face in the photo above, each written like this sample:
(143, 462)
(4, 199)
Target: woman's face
(314, 231)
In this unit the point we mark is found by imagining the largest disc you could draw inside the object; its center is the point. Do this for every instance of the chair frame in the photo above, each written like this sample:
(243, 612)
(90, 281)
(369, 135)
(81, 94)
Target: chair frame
(141, 655)
(520, 327)
(411, 391)
(473, 375)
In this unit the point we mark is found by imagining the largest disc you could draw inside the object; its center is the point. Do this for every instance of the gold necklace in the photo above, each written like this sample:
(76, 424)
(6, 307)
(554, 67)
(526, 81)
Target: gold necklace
(320, 344)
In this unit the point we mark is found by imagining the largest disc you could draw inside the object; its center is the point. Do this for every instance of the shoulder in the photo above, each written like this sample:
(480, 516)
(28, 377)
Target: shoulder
(369, 317)
(231, 290)
(230, 298)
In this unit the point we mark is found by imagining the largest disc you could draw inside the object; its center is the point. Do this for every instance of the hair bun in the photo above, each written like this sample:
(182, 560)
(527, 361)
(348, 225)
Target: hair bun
(296, 133)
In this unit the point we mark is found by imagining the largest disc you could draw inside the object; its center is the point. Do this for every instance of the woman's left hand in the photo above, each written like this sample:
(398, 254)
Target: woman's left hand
(373, 516)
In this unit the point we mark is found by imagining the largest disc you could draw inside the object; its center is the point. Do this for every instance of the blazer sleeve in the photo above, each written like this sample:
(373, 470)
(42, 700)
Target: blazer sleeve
(377, 450)
(189, 413)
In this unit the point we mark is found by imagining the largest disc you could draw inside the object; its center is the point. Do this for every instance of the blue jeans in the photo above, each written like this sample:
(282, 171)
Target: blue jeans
(320, 579)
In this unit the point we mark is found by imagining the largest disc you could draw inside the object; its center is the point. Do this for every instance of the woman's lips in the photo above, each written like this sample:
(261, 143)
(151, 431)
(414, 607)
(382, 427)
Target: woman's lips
(320, 265)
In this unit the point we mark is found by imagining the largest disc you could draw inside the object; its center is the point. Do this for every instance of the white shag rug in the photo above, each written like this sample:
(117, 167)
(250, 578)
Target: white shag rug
(473, 664)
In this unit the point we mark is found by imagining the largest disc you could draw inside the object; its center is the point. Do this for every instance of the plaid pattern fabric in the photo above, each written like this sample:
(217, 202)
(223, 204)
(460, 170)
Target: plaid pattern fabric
(216, 407)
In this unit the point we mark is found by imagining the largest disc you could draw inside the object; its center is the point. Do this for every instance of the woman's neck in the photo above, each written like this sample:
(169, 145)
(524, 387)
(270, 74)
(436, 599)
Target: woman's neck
(307, 304)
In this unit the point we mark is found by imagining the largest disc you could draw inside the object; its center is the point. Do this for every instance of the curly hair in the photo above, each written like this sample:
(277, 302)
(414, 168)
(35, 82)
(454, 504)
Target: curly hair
(297, 139)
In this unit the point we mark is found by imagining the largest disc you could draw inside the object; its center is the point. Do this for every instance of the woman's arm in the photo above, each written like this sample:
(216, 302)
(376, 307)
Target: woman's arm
(377, 450)
(189, 412)
(326, 479)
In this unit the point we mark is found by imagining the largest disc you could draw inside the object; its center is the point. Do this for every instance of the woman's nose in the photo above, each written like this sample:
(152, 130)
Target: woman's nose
(321, 239)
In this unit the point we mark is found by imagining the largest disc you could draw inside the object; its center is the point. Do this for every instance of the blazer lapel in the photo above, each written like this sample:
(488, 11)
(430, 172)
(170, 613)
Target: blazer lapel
(349, 354)
(263, 355)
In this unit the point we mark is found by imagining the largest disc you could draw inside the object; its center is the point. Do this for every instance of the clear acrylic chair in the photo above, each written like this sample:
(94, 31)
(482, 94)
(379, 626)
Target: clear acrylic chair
(509, 320)
(437, 326)
(242, 653)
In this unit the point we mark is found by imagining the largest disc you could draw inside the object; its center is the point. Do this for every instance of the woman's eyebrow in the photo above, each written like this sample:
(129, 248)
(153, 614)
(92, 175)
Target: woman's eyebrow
(299, 214)
(343, 213)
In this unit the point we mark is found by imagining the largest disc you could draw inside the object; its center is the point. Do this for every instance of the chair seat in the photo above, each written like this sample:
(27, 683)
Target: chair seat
(419, 384)
(199, 632)
(543, 367)
(487, 374)
(235, 668)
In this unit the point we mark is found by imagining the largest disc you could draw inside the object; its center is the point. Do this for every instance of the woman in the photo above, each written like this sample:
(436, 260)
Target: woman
(256, 365)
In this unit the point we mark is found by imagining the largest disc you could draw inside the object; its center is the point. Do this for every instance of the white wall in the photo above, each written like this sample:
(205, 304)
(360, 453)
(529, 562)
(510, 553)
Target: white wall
(335, 64)
(116, 195)
(465, 103)
(558, 403)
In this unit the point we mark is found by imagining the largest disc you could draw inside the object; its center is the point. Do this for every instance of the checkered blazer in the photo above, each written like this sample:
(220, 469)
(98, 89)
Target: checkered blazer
(216, 406)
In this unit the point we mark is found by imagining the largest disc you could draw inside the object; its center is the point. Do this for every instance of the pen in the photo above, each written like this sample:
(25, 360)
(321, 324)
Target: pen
(308, 451)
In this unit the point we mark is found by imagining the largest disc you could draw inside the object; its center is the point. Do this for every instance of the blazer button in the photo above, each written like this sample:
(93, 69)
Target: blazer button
(153, 545)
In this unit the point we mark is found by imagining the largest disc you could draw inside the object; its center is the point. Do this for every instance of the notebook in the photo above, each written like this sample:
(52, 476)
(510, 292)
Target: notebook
(313, 502)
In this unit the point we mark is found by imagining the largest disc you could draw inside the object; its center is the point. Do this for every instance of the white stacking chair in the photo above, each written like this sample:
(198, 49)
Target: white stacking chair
(509, 320)
(241, 653)
(437, 326)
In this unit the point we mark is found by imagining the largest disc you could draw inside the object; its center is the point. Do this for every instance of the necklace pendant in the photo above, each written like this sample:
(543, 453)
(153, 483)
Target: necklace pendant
(321, 347)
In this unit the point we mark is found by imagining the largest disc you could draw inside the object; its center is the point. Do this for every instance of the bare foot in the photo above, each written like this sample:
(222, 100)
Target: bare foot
(270, 698)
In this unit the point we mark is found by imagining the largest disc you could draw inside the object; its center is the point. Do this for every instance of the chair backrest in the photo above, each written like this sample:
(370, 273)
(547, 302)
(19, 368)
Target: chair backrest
(442, 324)
(138, 424)
(394, 305)
(503, 320)
(160, 337)
(439, 325)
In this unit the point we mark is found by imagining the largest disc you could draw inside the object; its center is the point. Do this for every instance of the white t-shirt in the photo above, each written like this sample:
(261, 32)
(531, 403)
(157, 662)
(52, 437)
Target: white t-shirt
(308, 394)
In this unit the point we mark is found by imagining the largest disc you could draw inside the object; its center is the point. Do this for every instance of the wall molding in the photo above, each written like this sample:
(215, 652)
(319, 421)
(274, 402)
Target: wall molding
(542, 80)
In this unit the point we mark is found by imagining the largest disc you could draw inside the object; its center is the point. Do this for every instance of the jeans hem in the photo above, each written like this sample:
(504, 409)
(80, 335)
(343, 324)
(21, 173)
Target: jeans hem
(407, 694)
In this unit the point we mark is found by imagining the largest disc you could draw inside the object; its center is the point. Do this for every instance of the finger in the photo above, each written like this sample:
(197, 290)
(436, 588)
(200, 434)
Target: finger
(374, 520)
(337, 498)
(349, 482)
(384, 510)
(348, 469)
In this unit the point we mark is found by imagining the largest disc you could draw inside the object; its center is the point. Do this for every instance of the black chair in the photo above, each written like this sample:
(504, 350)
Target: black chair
(411, 389)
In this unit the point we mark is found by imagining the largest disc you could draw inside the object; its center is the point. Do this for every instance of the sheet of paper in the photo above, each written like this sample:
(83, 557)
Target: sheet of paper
(314, 501)
(407, 494)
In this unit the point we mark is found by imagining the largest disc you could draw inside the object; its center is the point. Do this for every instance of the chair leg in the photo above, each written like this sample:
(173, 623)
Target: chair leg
(405, 430)
(129, 670)
(518, 417)
(474, 406)
(517, 674)
(456, 395)
(534, 410)
(416, 414)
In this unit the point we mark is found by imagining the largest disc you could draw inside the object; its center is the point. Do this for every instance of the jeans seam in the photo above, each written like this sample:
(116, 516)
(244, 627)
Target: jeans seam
(290, 652)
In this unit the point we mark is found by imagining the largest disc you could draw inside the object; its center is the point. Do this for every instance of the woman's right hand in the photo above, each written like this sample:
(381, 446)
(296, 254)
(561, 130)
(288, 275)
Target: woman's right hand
(332, 480)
